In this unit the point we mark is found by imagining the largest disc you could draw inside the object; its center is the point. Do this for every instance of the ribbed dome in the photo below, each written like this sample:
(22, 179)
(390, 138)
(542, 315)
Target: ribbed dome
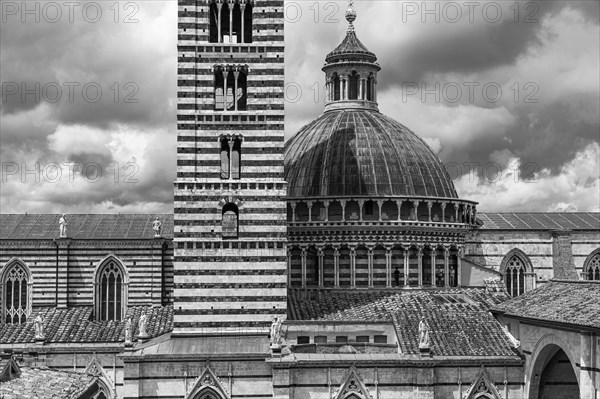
(351, 48)
(358, 152)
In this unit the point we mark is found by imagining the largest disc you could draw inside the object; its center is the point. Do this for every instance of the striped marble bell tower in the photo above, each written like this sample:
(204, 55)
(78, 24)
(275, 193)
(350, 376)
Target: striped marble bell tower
(230, 209)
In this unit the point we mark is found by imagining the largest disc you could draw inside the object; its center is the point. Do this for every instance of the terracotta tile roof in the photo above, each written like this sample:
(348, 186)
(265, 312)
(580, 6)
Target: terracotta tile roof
(76, 325)
(44, 383)
(560, 301)
(459, 320)
(540, 221)
(108, 226)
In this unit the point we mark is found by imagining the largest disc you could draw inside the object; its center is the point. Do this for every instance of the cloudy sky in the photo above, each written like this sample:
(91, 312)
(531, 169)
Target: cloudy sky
(506, 93)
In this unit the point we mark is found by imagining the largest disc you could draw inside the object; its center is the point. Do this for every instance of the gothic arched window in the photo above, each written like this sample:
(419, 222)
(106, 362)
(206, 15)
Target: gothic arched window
(111, 293)
(230, 221)
(16, 283)
(230, 21)
(591, 269)
(514, 276)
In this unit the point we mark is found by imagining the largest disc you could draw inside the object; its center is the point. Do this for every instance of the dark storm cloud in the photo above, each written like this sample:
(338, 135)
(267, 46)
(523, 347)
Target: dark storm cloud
(465, 47)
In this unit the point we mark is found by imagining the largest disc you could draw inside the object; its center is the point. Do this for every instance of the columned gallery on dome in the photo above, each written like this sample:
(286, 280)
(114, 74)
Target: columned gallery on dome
(341, 264)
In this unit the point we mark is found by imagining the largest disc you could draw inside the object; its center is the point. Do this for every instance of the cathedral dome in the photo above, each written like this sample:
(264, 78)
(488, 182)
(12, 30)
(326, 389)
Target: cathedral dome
(361, 152)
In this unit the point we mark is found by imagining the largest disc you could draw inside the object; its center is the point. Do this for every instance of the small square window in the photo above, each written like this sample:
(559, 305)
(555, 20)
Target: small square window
(380, 339)
(341, 339)
(303, 339)
(362, 338)
(320, 339)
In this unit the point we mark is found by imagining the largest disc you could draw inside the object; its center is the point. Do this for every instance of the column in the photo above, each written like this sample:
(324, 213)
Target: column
(459, 267)
(294, 204)
(380, 205)
(236, 73)
(420, 265)
(399, 210)
(326, 205)
(405, 255)
(446, 267)
(474, 214)
(353, 267)
(443, 204)
(456, 213)
(289, 267)
(388, 267)
(303, 267)
(374, 91)
(231, 5)
(225, 76)
(360, 210)
(360, 88)
(346, 80)
(310, 205)
(321, 255)
(219, 33)
(370, 257)
(433, 256)
(336, 265)
(243, 12)
(429, 206)
(230, 144)
(343, 204)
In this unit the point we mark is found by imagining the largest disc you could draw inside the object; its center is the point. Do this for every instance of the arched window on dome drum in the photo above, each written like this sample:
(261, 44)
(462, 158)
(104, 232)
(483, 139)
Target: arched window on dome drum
(389, 211)
(352, 210)
(334, 211)
(397, 267)
(514, 277)
(230, 221)
(110, 292)
(371, 211)
(440, 272)
(17, 294)
(592, 272)
(336, 87)
(353, 88)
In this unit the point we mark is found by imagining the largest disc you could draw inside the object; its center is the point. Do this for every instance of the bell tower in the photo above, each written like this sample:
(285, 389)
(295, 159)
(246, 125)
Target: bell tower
(230, 223)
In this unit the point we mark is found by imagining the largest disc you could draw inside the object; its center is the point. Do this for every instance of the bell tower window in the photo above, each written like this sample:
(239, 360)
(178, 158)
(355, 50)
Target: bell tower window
(231, 156)
(230, 221)
(230, 21)
(230, 85)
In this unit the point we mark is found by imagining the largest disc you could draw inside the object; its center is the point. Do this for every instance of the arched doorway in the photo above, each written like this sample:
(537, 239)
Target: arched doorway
(553, 375)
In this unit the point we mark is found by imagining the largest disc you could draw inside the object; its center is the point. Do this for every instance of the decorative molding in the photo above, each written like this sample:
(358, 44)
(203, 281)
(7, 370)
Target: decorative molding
(352, 386)
(206, 382)
(95, 369)
(482, 387)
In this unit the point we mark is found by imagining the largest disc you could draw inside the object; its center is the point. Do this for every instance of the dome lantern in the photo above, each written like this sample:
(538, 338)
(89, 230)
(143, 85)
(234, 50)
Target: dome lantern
(351, 72)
